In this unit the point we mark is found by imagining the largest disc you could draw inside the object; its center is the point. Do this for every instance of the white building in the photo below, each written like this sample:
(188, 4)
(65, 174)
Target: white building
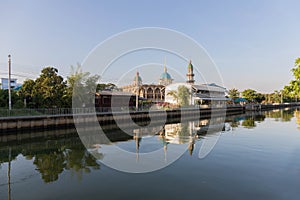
(200, 94)
(4, 83)
(204, 94)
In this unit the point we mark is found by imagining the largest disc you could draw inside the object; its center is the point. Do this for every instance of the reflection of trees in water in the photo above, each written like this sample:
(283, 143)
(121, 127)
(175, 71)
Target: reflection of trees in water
(281, 115)
(248, 123)
(235, 123)
(50, 165)
(297, 115)
(52, 157)
(259, 118)
(80, 161)
(76, 159)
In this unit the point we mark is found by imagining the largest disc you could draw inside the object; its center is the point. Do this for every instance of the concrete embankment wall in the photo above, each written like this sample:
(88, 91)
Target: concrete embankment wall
(12, 124)
(254, 107)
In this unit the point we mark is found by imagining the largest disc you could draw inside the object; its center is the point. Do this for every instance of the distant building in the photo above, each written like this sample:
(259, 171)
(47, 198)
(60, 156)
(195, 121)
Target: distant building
(203, 94)
(154, 92)
(105, 100)
(200, 94)
(13, 83)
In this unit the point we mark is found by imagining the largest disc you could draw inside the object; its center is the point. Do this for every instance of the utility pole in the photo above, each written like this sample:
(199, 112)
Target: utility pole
(9, 80)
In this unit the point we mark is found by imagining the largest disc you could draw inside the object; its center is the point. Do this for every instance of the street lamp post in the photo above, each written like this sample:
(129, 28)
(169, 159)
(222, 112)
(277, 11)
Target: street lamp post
(9, 82)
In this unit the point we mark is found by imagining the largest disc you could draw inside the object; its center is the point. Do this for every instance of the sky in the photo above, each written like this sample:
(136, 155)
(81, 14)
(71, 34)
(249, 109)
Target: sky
(253, 43)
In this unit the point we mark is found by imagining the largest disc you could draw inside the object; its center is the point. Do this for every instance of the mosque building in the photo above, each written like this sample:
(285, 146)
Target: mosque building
(201, 94)
(154, 92)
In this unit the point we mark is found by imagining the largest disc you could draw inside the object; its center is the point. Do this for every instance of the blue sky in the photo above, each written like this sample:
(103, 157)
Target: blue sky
(253, 43)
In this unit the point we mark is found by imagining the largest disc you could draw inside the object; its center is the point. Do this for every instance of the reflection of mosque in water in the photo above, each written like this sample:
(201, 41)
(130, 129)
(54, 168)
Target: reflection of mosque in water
(186, 133)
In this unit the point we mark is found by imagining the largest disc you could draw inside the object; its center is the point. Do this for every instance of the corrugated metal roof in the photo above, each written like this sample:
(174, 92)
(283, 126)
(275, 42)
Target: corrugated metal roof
(209, 88)
(116, 93)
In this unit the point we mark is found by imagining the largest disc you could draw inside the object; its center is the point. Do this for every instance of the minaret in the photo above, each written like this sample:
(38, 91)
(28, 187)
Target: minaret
(190, 75)
(137, 81)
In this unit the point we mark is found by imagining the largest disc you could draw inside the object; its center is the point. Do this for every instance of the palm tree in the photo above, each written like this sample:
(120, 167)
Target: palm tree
(233, 93)
(174, 94)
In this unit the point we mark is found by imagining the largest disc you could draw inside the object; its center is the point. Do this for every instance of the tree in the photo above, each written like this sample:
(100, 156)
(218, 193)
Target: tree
(233, 93)
(250, 94)
(293, 89)
(259, 97)
(183, 95)
(4, 99)
(104, 86)
(81, 87)
(49, 89)
(296, 69)
(275, 97)
(26, 92)
(174, 94)
(287, 93)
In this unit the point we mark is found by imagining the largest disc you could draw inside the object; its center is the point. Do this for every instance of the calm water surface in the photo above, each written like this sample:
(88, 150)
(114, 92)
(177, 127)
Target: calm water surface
(257, 156)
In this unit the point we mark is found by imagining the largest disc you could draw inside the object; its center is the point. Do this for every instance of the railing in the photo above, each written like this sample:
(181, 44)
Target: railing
(68, 111)
(59, 111)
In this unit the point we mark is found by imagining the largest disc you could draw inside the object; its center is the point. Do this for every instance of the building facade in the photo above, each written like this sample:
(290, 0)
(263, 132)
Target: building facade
(153, 92)
(200, 94)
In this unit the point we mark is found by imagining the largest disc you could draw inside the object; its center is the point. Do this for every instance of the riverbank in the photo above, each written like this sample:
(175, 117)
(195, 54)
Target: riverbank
(46, 122)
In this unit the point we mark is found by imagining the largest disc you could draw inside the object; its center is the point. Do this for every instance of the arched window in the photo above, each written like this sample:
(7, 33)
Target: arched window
(142, 93)
(149, 93)
(157, 93)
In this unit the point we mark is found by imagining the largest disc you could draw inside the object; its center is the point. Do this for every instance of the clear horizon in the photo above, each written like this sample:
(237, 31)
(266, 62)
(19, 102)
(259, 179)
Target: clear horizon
(254, 44)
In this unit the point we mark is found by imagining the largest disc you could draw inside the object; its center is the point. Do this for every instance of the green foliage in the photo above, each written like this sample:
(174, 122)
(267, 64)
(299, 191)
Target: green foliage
(4, 98)
(183, 95)
(104, 86)
(26, 92)
(249, 123)
(174, 94)
(46, 91)
(233, 93)
(275, 97)
(250, 94)
(49, 88)
(296, 69)
(81, 87)
(292, 91)
(259, 97)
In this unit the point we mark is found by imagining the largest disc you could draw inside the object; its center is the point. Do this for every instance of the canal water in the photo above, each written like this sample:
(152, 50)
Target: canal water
(251, 156)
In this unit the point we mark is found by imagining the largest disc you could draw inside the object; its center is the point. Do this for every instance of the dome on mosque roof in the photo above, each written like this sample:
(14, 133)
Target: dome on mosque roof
(139, 78)
(165, 75)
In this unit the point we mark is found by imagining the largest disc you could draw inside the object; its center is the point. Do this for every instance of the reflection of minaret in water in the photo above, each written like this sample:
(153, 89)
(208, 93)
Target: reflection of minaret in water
(192, 138)
(191, 145)
(164, 141)
(137, 144)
